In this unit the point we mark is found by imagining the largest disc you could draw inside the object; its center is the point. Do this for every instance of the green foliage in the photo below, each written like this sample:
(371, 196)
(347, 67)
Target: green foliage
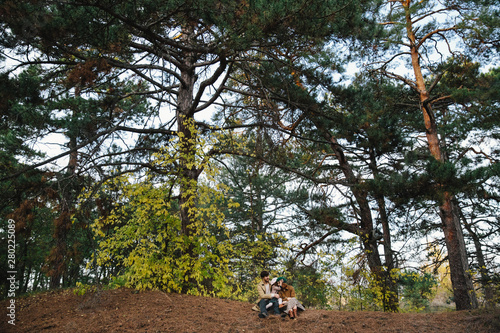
(355, 291)
(310, 284)
(252, 254)
(143, 238)
(22, 115)
(84, 289)
(417, 290)
(352, 286)
(289, 58)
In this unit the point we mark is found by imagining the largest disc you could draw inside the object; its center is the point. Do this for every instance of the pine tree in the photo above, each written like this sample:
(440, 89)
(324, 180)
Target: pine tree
(297, 115)
(176, 54)
(412, 31)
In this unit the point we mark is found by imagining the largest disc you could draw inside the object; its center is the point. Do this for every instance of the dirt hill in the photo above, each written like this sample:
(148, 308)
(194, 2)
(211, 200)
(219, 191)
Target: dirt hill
(127, 310)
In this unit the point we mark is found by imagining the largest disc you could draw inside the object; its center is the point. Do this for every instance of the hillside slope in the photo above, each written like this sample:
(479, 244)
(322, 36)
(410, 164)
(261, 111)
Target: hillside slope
(127, 310)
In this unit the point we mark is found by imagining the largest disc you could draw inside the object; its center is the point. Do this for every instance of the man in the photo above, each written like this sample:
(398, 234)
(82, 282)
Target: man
(266, 296)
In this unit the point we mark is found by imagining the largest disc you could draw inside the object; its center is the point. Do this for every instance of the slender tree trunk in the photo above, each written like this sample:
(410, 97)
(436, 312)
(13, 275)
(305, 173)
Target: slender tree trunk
(25, 283)
(366, 226)
(257, 214)
(364, 211)
(38, 277)
(461, 281)
(390, 281)
(489, 291)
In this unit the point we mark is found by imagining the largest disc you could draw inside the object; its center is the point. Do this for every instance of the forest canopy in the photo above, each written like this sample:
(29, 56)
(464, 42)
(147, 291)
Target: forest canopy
(351, 146)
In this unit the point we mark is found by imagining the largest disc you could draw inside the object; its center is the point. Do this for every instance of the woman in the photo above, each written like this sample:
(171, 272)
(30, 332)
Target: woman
(287, 293)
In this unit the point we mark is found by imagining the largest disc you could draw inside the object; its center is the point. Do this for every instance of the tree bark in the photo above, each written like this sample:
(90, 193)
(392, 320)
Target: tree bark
(187, 160)
(62, 224)
(365, 231)
(485, 280)
(461, 280)
(390, 282)
(187, 138)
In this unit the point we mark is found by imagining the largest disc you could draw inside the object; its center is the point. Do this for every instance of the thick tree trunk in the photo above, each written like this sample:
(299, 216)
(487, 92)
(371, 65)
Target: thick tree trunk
(461, 281)
(390, 284)
(189, 179)
(187, 138)
(187, 161)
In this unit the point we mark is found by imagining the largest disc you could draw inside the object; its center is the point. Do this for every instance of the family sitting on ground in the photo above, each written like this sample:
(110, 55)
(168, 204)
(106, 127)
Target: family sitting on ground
(278, 295)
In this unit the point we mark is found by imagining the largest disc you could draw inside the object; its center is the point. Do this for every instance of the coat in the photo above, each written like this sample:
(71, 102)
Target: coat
(261, 288)
(287, 293)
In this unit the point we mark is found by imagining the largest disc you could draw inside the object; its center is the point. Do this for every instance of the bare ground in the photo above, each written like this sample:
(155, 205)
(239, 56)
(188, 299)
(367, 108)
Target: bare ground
(126, 310)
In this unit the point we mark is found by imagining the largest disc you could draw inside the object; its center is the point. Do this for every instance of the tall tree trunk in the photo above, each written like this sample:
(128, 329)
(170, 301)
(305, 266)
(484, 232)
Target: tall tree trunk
(256, 196)
(23, 281)
(390, 280)
(461, 280)
(485, 280)
(365, 231)
(58, 257)
(187, 138)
